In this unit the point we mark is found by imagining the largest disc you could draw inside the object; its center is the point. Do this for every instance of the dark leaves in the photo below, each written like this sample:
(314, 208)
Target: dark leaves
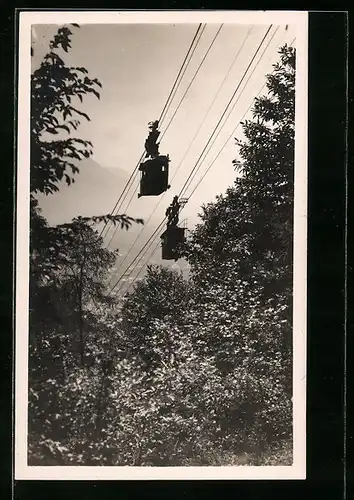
(54, 87)
(123, 220)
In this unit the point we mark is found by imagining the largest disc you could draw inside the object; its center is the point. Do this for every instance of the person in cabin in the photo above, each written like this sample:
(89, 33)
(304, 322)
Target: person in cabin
(151, 148)
(151, 145)
(153, 125)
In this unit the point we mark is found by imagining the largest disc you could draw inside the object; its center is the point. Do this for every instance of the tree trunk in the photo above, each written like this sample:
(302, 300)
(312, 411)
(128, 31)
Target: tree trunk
(80, 308)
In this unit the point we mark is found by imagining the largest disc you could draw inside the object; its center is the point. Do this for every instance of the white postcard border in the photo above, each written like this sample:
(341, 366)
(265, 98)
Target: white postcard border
(298, 469)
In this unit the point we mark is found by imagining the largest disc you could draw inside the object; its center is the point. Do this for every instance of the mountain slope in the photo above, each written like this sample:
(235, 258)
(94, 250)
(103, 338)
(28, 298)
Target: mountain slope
(95, 191)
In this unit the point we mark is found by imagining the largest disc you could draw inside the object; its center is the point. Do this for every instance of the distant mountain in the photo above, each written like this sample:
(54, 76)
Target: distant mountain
(95, 191)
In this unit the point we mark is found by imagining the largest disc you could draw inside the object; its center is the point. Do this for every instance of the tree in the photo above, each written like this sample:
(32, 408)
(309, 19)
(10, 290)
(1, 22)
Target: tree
(241, 264)
(249, 230)
(55, 88)
(78, 274)
(56, 93)
(162, 295)
(68, 264)
(253, 221)
(67, 307)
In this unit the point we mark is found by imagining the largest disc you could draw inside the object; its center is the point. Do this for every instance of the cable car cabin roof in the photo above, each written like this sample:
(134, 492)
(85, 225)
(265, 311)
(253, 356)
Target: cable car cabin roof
(154, 177)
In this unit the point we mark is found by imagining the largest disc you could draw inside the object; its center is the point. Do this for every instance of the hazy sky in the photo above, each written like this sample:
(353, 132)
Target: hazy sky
(137, 66)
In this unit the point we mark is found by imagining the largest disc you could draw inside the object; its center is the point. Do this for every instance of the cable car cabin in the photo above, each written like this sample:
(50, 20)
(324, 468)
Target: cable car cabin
(154, 177)
(171, 239)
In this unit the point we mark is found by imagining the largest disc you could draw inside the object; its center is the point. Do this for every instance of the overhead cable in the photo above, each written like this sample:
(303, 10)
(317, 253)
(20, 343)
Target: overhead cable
(215, 128)
(177, 80)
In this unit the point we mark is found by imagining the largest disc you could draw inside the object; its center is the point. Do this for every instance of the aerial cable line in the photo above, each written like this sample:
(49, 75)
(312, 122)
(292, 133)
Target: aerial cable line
(211, 105)
(135, 171)
(170, 98)
(227, 140)
(105, 229)
(180, 102)
(176, 84)
(168, 101)
(174, 114)
(142, 267)
(178, 106)
(193, 78)
(231, 110)
(237, 98)
(210, 138)
(180, 76)
(203, 176)
(181, 73)
(205, 173)
(140, 252)
(151, 241)
(192, 141)
(231, 99)
(232, 133)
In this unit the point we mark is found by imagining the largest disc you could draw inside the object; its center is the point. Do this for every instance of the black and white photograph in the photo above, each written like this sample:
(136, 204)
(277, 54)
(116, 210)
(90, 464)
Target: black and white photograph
(161, 245)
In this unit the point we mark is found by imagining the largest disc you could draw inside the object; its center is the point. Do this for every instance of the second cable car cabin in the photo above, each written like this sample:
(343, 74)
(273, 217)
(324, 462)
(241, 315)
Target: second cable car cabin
(172, 238)
(154, 176)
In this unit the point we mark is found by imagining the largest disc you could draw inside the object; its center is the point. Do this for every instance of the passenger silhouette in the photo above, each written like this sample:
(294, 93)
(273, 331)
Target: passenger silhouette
(172, 212)
(151, 145)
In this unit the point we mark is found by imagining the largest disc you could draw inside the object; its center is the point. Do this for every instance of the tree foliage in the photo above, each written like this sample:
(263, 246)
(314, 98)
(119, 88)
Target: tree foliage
(159, 298)
(69, 268)
(56, 91)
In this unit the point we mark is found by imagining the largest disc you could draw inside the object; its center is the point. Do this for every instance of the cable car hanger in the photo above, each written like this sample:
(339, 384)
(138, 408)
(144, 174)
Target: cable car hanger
(174, 235)
(154, 171)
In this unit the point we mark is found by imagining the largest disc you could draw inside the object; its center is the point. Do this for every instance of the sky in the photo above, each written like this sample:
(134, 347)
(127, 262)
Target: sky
(137, 66)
